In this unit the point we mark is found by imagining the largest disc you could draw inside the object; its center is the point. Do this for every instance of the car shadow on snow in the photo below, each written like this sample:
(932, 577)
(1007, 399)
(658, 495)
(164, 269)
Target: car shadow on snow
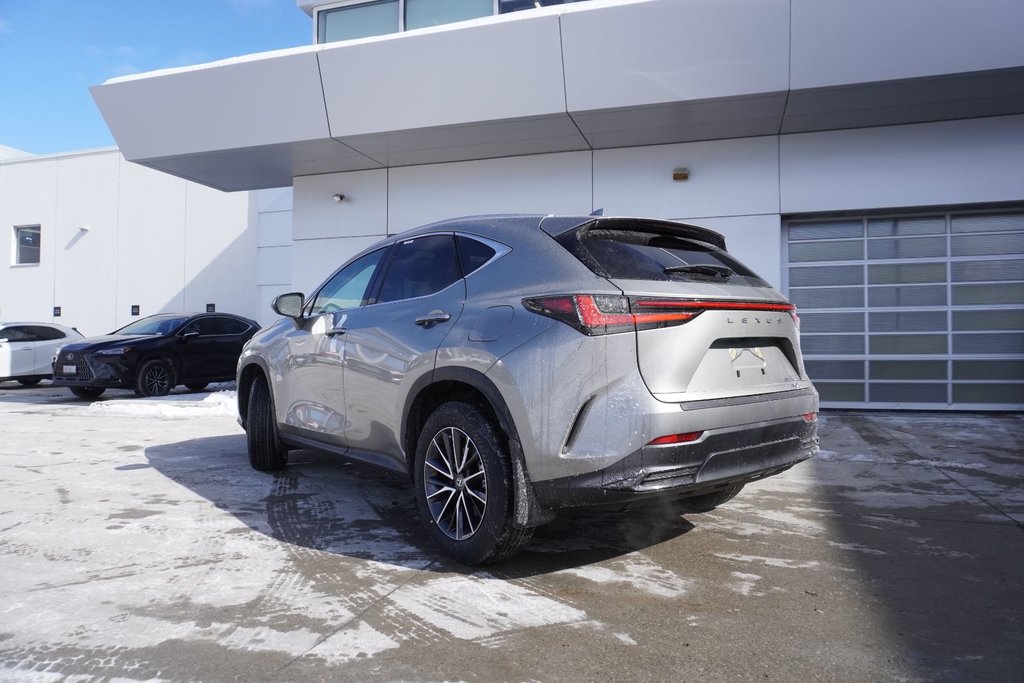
(320, 502)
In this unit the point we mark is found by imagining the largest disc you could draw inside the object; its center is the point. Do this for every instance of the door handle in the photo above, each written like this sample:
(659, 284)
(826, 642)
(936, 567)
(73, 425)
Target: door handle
(433, 318)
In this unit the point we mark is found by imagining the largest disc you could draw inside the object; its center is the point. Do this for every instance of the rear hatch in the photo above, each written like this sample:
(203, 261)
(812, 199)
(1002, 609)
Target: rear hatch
(707, 327)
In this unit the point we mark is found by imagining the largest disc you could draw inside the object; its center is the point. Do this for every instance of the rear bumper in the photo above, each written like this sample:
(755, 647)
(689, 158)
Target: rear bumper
(677, 471)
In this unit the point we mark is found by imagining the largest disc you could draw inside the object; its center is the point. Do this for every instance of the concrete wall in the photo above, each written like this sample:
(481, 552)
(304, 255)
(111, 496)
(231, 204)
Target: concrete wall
(115, 234)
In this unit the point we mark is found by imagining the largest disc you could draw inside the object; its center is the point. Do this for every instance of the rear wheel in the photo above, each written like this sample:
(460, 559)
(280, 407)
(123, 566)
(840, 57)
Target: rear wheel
(155, 378)
(196, 386)
(261, 431)
(464, 485)
(87, 392)
(709, 501)
(29, 381)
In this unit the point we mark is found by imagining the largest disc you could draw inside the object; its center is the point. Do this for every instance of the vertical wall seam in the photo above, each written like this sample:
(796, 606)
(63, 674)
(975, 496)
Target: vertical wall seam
(117, 237)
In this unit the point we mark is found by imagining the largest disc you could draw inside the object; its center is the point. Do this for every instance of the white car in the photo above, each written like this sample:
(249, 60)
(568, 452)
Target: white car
(27, 349)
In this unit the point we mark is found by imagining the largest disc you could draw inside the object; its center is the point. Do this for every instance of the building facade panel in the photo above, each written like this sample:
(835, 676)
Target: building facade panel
(255, 102)
(220, 244)
(28, 197)
(548, 183)
(931, 164)
(85, 236)
(673, 51)
(341, 205)
(150, 243)
(444, 76)
(836, 42)
(724, 178)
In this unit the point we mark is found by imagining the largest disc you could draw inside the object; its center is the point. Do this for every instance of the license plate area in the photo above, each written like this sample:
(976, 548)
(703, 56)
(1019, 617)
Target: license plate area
(70, 369)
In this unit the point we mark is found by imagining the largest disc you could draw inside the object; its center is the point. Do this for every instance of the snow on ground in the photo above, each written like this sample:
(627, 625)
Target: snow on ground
(218, 403)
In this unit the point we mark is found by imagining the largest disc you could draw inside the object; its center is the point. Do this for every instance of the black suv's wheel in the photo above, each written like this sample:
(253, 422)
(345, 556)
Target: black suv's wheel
(709, 501)
(261, 431)
(87, 392)
(196, 386)
(29, 381)
(464, 486)
(155, 378)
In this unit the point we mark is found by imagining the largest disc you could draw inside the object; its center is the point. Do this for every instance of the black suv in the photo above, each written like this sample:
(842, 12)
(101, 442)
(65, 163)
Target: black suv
(155, 354)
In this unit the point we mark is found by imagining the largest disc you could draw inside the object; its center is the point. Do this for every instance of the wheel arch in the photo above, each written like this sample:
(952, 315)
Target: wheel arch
(247, 374)
(474, 388)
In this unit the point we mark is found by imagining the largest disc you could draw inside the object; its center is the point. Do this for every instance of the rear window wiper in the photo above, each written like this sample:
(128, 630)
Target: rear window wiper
(723, 272)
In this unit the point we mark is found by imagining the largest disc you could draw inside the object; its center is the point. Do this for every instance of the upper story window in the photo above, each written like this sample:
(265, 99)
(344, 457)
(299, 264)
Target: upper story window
(26, 244)
(365, 18)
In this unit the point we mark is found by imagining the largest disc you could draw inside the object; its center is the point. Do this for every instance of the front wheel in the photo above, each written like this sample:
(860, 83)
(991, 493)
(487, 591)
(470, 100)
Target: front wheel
(29, 381)
(87, 392)
(261, 430)
(155, 378)
(464, 486)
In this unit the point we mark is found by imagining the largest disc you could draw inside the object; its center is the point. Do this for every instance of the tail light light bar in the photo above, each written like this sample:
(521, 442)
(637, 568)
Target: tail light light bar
(596, 314)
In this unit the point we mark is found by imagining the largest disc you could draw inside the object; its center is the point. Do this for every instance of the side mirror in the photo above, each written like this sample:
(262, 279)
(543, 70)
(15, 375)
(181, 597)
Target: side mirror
(289, 305)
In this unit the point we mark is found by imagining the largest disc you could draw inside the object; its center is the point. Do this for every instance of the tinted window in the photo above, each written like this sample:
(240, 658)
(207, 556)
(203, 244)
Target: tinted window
(232, 326)
(42, 333)
(348, 288)
(649, 255)
(155, 325)
(473, 254)
(16, 334)
(421, 266)
(215, 326)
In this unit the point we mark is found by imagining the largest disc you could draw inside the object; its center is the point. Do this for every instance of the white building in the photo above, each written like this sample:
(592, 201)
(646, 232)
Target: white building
(96, 242)
(867, 157)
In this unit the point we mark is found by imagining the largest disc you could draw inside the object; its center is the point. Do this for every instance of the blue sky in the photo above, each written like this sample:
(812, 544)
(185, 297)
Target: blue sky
(51, 51)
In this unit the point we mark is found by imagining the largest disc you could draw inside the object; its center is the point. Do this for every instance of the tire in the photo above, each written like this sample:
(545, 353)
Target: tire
(265, 454)
(709, 501)
(467, 507)
(87, 392)
(29, 381)
(197, 386)
(154, 378)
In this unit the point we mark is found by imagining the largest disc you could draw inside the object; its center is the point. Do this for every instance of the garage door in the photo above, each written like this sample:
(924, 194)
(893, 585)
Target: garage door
(916, 312)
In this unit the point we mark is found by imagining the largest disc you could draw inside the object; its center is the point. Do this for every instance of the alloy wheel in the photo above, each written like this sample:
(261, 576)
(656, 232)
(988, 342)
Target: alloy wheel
(455, 483)
(156, 381)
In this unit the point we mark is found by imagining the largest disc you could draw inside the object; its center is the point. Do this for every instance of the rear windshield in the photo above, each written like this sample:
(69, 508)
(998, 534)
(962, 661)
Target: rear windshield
(652, 255)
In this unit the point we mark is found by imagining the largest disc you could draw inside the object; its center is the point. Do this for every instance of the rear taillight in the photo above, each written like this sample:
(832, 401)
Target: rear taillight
(595, 314)
(603, 314)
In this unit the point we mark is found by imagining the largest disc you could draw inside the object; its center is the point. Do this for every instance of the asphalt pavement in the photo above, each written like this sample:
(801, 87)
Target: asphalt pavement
(136, 544)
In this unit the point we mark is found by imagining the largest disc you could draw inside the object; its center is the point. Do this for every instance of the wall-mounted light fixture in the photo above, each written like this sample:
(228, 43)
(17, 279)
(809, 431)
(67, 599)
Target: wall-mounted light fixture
(680, 174)
(338, 197)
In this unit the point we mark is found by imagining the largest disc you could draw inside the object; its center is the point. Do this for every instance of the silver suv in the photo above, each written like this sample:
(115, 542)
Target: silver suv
(513, 366)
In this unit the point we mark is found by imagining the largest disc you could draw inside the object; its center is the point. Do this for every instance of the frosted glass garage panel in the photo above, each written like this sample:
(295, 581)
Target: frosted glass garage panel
(911, 296)
(932, 305)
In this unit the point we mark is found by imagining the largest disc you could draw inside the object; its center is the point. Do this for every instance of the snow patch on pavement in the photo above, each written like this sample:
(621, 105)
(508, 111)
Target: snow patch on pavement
(217, 404)
(471, 607)
(638, 572)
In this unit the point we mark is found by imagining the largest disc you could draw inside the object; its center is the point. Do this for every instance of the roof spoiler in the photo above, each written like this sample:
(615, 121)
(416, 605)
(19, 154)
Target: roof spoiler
(558, 225)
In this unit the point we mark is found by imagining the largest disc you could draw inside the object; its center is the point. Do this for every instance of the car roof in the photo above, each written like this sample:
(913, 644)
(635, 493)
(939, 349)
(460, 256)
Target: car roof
(496, 225)
(59, 326)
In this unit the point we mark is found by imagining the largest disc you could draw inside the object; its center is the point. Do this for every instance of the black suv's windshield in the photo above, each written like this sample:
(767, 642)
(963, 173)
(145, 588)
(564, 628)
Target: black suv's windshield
(154, 326)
